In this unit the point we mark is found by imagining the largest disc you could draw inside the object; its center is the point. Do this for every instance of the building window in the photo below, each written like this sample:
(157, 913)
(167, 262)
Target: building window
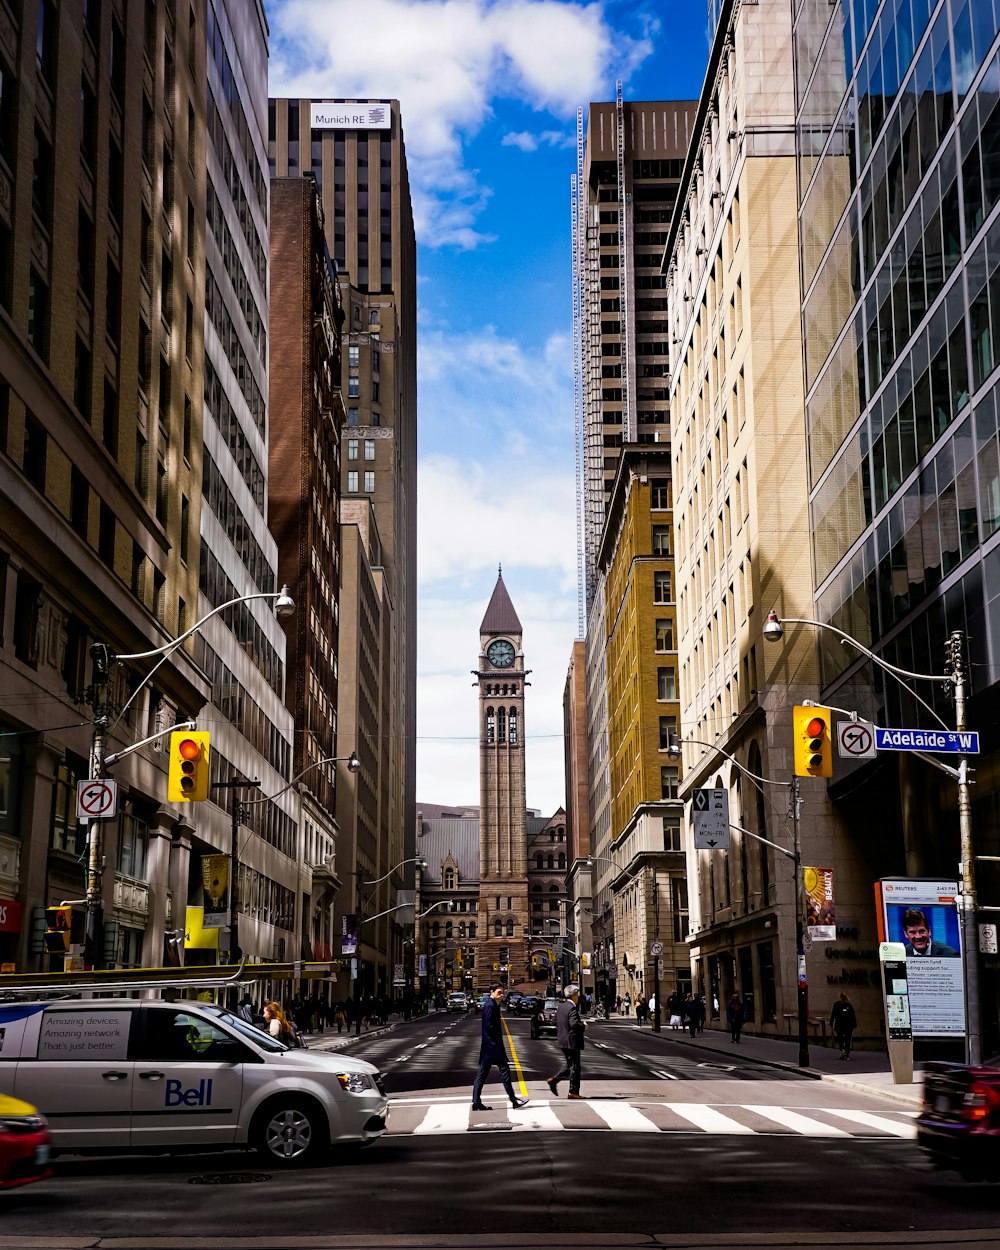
(369, 481)
(672, 832)
(353, 388)
(133, 844)
(662, 587)
(668, 782)
(449, 878)
(666, 683)
(352, 449)
(369, 449)
(352, 481)
(660, 492)
(352, 417)
(510, 928)
(67, 833)
(679, 892)
(38, 313)
(353, 356)
(661, 540)
(668, 729)
(512, 722)
(491, 733)
(498, 928)
(664, 634)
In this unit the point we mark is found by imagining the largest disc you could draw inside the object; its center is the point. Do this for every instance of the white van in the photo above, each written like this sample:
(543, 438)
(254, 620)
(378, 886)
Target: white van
(112, 1074)
(458, 1001)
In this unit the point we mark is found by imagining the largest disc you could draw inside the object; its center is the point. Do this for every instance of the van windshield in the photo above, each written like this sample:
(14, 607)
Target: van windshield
(260, 1038)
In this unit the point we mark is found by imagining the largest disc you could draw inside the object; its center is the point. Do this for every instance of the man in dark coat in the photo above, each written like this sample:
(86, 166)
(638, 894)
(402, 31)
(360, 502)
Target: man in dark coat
(570, 1029)
(493, 1052)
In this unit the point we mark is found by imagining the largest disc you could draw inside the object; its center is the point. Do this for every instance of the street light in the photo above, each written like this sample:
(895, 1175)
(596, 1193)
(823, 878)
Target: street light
(421, 864)
(773, 631)
(103, 658)
(795, 855)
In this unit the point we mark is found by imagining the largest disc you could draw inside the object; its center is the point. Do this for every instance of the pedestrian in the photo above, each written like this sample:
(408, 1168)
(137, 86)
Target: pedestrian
(277, 1023)
(492, 1052)
(640, 1009)
(735, 1015)
(843, 1020)
(245, 1011)
(627, 1005)
(340, 1017)
(570, 1029)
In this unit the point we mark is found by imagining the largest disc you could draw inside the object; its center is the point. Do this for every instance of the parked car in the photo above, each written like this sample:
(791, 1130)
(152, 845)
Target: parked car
(24, 1144)
(150, 1074)
(959, 1123)
(458, 1001)
(544, 1020)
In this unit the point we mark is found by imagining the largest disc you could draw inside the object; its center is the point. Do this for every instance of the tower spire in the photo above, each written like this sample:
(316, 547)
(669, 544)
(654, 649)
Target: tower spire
(500, 616)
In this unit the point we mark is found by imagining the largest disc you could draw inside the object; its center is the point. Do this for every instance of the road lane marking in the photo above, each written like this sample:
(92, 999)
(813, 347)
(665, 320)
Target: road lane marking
(797, 1123)
(875, 1121)
(622, 1117)
(707, 1118)
(445, 1118)
(666, 1076)
(538, 1116)
(522, 1086)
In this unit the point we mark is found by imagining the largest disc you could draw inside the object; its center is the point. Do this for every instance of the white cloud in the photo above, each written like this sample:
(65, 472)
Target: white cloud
(447, 61)
(529, 142)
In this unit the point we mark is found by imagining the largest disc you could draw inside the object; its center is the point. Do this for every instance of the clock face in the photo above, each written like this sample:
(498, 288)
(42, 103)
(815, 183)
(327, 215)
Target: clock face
(500, 653)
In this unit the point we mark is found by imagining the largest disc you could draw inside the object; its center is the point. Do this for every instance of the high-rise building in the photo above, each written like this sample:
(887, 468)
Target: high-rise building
(742, 525)
(899, 226)
(579, 900)
(355, 153)
(306, 416)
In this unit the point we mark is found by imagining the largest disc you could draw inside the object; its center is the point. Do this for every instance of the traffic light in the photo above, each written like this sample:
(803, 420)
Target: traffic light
(64, 928)
(187, 776)
(812, 741)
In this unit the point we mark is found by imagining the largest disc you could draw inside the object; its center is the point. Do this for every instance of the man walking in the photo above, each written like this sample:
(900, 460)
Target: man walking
(493, 1052)
(570, 1029)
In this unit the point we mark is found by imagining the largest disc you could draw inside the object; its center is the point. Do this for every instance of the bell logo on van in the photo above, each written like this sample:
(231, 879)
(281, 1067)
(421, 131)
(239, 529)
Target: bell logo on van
(200, 1095)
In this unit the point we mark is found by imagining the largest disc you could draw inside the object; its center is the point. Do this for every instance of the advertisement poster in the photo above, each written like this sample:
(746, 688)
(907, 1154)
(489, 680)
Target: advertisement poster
(921, 914)
(349, 935)
(821, 918)
(215, 880)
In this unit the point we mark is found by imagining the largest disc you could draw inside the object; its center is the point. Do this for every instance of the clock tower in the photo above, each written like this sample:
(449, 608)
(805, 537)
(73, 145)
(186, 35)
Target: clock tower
(503, 855)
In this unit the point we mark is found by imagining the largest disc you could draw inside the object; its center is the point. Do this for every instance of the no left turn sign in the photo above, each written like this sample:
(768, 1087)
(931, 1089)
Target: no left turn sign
(856, 740)
(96, 800)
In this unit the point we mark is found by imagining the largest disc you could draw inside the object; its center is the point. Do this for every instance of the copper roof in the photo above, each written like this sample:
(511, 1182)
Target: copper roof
(500, 616)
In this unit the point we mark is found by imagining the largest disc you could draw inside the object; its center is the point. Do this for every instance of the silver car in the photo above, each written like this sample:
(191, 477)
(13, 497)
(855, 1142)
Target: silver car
(113, 1074)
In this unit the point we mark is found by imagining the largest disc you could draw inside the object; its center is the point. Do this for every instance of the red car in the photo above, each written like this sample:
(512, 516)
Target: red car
(24, 1144)
(959, 1123)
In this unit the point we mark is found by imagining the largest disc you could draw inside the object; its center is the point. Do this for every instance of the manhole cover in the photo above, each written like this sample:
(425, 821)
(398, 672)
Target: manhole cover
(229, 1178)
(491, 1128)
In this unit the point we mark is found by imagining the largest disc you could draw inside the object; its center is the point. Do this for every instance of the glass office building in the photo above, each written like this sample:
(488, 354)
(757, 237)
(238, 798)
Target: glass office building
(898, 140)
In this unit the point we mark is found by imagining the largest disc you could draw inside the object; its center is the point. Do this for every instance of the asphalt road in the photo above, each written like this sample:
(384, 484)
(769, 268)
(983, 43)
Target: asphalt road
(586, 1185)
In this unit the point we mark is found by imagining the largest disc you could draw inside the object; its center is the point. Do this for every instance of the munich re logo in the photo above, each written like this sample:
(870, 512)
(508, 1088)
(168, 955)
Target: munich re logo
(376, 116)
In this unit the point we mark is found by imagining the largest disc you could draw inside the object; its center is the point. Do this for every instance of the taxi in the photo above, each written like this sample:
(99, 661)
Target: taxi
(150, 1075)
(24, 1144)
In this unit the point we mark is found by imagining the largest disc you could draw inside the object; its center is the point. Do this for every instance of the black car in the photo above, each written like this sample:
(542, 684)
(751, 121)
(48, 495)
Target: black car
(959, 1125)
(543, 1017)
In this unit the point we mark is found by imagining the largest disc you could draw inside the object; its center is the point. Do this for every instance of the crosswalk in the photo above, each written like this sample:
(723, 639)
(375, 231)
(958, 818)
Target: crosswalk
(425, 1116)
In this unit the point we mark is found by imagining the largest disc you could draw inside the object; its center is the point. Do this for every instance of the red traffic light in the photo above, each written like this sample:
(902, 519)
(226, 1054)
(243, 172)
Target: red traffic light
(188, 749)
(815, 728)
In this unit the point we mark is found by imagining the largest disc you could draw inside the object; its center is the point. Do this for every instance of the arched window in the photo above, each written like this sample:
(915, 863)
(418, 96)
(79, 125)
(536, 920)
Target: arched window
(562, 860)
(498, 928)
(550, 862)
(491, 725)
(436, 928)
(448, 930)
(461, 930)
(501, 725)
(510, 928)
(513, 726)
(449, 878)
(472, 929)
(553, 889)
(536, 889)
(538, 861)
(553, 904)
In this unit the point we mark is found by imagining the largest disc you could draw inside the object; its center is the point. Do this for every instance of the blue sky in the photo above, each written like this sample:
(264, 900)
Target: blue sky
(488, 91)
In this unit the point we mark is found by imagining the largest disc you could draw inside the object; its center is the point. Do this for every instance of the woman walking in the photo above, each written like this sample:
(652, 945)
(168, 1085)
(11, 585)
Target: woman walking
(843, 1021)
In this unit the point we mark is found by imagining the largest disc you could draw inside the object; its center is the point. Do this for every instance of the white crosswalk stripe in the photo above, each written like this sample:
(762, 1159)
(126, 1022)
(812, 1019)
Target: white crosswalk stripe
(455, 1115)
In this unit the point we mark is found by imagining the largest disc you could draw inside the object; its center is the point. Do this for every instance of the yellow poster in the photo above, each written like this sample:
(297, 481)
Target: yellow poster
(215, 879)
(196, 936)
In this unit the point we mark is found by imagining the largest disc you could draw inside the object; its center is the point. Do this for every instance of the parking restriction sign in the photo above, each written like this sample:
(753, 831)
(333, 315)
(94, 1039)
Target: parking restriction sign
(96, 799)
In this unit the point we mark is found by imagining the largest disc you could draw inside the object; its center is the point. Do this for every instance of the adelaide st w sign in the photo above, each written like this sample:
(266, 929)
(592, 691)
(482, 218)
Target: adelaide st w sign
(938, 741)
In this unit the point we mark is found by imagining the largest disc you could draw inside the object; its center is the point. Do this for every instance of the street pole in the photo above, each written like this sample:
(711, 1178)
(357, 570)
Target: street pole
(800, 930)
(101, 657)
(970, 928)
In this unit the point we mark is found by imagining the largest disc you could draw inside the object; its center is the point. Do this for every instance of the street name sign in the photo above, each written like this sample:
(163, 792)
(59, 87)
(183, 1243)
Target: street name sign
(938, 741)
(710, 819)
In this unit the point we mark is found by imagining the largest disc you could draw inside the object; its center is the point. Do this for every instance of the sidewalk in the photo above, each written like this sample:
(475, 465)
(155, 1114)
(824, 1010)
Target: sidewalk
(867, 1071)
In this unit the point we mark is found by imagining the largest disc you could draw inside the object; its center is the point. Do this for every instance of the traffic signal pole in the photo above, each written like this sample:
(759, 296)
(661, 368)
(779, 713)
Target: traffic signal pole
(970, 928)
(800, 929)
(101, 661)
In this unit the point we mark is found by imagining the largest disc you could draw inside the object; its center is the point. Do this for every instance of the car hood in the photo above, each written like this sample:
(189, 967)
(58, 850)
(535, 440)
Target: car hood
(319, 1061)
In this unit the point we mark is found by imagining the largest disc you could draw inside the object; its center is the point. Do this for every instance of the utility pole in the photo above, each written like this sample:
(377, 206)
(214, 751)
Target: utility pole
(101, 658)
(800, 929)
(955, 656)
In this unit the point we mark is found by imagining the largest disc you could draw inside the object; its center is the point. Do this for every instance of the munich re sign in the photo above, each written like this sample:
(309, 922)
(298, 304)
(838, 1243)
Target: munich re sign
(334, 115)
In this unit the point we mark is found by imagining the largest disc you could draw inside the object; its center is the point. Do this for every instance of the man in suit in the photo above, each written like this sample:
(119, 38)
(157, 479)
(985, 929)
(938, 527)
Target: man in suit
(919, 943)
(570, 1028)
(493, 1052)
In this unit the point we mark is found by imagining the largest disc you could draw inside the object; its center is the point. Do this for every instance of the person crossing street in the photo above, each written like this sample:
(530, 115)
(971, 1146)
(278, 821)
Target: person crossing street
(493, 1053)
(570, 1028)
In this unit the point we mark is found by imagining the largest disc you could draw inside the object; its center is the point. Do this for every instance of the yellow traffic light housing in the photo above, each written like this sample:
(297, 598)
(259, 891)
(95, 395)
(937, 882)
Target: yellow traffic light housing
(187, 775)
(813, 745)
(64, 927)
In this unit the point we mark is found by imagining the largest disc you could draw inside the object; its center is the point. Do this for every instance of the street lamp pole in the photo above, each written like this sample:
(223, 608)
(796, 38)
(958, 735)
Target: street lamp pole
(955, 677)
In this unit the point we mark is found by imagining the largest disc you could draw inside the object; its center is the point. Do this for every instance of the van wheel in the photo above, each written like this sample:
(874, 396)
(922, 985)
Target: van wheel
(290, 1131)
